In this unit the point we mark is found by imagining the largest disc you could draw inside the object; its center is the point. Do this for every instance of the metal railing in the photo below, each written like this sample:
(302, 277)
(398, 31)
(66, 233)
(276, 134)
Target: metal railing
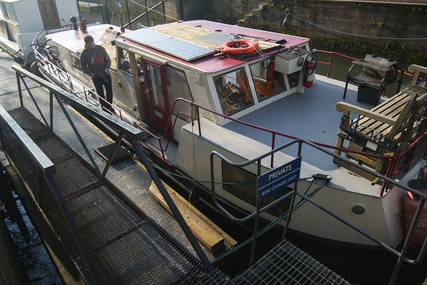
(126, 131)
(195, 116)
(294, 193)
(55, 71)
(46, 170)
(337, 54)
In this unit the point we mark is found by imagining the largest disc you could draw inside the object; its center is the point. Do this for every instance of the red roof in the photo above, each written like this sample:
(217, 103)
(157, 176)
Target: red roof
(208, 64)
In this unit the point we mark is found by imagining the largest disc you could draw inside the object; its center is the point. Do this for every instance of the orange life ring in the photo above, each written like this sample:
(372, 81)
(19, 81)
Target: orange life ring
(239, 47)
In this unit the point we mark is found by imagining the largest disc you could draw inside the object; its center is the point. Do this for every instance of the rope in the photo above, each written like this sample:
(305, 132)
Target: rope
(351, 34)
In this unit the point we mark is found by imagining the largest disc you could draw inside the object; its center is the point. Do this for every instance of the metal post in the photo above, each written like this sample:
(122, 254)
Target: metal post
(405, 248)
(77, 134)
(19, 88)
(75, 230)
(177, 214)
(127, 9)
(146, 13)
(291, 206)
(256, 226)
(33, 99)
(273, 142)
(164, 12)
(106, 15)
(181, 9)
(18, 158)
(51, 110)
(113, 153)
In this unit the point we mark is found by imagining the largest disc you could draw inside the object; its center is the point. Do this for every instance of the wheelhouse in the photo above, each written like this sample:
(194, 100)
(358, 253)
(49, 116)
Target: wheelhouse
(155, 66)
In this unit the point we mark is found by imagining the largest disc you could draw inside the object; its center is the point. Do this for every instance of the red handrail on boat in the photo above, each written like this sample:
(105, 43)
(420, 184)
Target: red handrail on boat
(392, 159)
(332, 53)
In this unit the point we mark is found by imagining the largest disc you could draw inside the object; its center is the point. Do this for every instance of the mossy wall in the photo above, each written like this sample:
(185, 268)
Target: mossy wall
(392, 28)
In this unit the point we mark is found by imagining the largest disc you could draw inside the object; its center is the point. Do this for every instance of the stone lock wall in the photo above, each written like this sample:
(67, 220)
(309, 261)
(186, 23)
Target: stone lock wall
(391, 22)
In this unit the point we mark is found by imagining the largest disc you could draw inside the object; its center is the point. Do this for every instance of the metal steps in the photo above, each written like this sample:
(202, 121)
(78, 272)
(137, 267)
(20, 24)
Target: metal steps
(287, 264)
(127, 246)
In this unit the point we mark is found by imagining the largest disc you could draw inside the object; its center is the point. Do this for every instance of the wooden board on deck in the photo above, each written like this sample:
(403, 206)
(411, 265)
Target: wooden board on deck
(205, 230)
(190, 33)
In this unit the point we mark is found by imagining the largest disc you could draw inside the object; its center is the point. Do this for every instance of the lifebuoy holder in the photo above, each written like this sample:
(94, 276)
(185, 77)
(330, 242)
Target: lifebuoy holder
(238, 47)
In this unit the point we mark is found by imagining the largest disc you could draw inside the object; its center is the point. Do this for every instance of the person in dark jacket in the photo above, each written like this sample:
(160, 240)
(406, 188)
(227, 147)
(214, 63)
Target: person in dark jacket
(96, 62)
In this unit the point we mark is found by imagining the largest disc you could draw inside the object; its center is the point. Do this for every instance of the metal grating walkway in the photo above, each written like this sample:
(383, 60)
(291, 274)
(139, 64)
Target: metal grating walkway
(287, 264)
(127, 246)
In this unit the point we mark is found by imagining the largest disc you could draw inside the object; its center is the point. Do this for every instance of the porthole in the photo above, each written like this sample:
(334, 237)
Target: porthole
(358, 209)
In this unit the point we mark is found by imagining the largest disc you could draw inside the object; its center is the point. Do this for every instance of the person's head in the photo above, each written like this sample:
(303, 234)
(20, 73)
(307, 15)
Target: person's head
(89, 42)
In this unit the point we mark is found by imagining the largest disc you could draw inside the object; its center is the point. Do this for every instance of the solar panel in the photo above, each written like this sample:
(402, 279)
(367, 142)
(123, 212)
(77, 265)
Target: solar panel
(146, 37)
(168, 44)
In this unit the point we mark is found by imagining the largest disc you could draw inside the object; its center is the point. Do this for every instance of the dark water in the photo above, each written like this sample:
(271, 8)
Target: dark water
(27, 244)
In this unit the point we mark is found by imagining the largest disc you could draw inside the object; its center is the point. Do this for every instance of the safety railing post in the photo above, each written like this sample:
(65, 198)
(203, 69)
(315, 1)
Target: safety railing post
(75, 231)
(113, 153)
(257, 216)
(70, 121)
(18, 82)
(405, 248)
(198, 120)
(177, 214)
(330, 64)
(273, 143)
(290, 210)
(33, 99)
(51, 109)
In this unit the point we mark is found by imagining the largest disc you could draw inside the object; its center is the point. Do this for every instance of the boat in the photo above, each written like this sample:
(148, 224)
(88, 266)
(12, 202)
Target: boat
(224, 105)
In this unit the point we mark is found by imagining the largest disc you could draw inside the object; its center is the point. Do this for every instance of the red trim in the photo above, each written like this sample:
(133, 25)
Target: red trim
(239, 47)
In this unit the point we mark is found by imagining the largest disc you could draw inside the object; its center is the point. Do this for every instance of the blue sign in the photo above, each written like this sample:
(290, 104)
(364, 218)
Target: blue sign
(274, 180)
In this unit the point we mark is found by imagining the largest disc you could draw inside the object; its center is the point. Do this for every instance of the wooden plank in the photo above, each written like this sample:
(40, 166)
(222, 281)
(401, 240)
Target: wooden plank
(209, 234)
(190, 33)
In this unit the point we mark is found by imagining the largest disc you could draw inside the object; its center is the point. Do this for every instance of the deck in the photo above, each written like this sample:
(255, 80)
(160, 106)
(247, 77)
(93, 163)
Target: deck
(310, 116)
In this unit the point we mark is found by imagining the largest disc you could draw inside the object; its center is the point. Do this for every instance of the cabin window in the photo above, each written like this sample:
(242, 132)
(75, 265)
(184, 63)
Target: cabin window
(155, 77)
(178, 88)
(268, 82)
(233, 91)
(123, 62)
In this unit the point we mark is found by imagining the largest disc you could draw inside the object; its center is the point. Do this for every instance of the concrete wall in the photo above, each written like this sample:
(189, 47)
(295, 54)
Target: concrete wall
(378, 22)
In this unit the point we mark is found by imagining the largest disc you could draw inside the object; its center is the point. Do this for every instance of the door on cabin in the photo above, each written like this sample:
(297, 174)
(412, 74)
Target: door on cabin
(156, 86)
(49, 13)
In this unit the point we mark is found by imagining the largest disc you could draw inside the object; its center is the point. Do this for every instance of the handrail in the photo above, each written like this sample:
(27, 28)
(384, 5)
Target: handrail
(47, 168)
(61, 74)
(332, 53)
(400, 254)
(130, 133)
(275, 133)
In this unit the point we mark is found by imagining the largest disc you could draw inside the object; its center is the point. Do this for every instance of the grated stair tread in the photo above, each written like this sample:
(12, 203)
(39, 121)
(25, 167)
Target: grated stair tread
(127, 246)
(287, 264)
